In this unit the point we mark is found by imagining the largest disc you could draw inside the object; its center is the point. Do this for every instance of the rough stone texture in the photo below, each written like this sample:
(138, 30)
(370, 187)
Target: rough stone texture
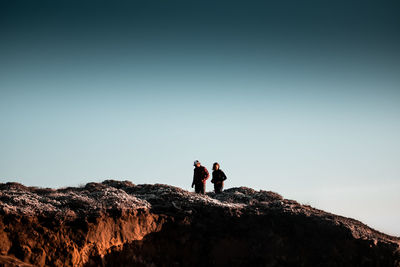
(117, 223)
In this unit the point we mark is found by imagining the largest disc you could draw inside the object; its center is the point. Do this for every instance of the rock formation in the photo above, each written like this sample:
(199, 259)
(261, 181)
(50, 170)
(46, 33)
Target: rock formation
(117, 223)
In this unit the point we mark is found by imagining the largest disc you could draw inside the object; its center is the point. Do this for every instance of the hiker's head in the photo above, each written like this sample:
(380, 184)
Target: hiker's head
(196, 163)
(216, 166)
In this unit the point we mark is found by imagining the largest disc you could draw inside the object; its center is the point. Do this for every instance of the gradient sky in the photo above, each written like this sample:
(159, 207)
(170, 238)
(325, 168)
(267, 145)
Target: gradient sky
(297, 97)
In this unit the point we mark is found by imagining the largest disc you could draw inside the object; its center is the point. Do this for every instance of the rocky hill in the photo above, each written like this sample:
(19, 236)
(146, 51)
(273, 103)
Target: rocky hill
(118, 223)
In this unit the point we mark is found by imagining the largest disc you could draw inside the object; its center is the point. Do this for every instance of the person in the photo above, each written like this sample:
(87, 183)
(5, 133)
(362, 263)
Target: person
(199, 177)
(218, 178)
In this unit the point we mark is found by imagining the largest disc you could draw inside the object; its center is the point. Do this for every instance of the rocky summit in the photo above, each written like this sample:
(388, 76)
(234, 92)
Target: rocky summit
(118, 223)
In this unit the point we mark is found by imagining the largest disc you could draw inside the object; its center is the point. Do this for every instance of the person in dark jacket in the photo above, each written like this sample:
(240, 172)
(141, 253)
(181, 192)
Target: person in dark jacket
(218, 178)
(199, 178)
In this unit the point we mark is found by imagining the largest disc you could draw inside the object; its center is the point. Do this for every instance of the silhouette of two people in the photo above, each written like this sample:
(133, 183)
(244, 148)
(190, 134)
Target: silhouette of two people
(201, 175)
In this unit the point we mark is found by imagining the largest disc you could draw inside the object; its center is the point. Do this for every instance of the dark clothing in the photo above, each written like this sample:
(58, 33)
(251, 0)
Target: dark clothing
(218, 187)
(218, 178)
(200, 188)
(200, 176)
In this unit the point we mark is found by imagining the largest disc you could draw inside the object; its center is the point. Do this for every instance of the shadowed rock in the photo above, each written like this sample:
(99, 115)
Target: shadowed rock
(118, 223)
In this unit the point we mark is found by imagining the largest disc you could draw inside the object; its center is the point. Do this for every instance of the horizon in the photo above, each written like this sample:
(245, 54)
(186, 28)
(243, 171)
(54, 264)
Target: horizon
(299, 98)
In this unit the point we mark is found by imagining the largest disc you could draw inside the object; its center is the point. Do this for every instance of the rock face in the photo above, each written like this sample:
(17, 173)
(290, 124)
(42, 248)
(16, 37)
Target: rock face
(118, 223)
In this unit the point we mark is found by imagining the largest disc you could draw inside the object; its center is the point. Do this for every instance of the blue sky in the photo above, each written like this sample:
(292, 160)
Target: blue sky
(297, 98)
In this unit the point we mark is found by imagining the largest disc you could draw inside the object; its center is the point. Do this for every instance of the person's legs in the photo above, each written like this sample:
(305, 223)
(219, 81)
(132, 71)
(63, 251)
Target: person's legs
(200, 188)
(203, 188)
(218, 188)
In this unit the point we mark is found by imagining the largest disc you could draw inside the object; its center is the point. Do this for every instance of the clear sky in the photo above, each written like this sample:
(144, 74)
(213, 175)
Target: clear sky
(297, 97)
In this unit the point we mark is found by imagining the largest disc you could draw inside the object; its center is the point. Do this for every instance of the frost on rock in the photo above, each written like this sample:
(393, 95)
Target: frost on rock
(18, 199)
(96, 197)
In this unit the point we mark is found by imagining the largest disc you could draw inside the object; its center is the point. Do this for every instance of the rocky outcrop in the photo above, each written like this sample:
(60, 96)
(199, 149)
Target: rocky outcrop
(117, 223)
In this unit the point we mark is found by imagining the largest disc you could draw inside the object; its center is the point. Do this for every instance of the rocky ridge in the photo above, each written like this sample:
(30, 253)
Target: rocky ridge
(118, 223)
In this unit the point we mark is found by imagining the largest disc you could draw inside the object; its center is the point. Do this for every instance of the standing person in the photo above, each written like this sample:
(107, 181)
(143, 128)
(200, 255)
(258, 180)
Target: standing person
(199, 177)
(218, 178)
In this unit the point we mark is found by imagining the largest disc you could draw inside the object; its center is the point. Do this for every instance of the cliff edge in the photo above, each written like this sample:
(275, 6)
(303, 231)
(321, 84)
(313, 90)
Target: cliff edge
(117, 223)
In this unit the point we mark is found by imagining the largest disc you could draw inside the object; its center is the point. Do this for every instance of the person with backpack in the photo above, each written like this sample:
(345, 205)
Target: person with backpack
(218, 178)
(200, 177)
